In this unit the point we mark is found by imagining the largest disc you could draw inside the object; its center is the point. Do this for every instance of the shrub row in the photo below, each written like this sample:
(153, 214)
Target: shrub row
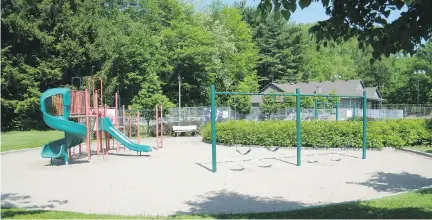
(322, 134)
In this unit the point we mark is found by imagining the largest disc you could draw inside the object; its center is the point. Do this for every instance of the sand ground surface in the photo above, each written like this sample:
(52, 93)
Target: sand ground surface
(177, 179)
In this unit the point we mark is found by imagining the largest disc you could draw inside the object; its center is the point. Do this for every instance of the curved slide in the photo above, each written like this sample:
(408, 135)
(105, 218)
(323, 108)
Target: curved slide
(75, 133)
(106, 125)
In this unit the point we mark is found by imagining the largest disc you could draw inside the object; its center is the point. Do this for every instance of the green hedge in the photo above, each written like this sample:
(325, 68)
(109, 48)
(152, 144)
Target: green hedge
(330, 134)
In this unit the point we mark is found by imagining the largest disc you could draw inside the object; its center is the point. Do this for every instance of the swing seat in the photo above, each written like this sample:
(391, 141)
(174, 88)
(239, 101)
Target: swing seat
(272, 149)
(243, 153)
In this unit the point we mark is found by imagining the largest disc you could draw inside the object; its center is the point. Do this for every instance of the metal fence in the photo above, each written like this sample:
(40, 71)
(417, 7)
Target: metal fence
(201, 114)
(226, 113)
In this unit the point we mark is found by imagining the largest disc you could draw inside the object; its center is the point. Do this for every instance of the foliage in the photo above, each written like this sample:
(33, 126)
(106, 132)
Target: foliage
(140, 48)
(281, 47)
(241, 104)
(288, 101)
(332, 100)
(270, 104)
(366, 21)
(322, 134)
(307, 102)
(147, 101)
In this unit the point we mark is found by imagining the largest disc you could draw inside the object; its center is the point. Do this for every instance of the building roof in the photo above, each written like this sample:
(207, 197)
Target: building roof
(341, 87)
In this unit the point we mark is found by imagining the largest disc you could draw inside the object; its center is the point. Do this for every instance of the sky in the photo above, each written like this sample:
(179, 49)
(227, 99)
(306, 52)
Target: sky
(315, 12)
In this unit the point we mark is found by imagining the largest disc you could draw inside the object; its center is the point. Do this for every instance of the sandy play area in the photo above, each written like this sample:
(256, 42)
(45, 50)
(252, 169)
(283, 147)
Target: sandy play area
(176, 179)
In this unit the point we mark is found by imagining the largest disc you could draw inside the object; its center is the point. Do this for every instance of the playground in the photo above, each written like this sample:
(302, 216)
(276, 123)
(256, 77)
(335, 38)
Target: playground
(130, 175)
(178, 179)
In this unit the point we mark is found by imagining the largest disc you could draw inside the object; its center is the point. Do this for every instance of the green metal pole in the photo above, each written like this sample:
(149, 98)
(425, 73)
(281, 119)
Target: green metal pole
(213, 125)
(364, 124)
(298, 127)
(354, 111)
(337, 110)
(316, 109)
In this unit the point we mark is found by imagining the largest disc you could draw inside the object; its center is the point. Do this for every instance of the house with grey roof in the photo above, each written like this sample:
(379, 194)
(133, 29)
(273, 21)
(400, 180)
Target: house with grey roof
(341, 87)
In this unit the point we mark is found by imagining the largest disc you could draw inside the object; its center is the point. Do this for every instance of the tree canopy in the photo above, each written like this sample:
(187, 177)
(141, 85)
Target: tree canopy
(140, 48)
(366, 21)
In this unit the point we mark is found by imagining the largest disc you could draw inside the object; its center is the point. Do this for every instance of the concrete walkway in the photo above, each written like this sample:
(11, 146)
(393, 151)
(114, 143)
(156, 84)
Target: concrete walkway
(176, 179)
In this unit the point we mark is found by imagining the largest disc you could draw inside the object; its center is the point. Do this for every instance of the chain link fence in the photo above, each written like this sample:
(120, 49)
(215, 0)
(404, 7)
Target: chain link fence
(199, 116)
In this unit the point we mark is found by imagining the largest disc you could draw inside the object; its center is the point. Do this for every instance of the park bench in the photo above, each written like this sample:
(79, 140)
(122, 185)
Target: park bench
(182, 129)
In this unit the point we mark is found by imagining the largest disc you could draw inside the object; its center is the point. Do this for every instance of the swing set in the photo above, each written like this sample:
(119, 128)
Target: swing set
(298, 96)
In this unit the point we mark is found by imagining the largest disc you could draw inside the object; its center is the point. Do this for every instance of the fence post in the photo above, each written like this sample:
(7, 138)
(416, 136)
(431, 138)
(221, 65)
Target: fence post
(316, 109)
(298, 127)
(354, 111)
(337, 110)
(364, 124)
(213, 125)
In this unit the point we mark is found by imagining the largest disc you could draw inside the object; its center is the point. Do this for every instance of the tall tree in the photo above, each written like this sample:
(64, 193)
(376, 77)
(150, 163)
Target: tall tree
(281, 47)
(366, 21)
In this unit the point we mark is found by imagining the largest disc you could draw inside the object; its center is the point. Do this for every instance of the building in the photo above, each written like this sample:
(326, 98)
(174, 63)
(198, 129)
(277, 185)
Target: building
(341, 87)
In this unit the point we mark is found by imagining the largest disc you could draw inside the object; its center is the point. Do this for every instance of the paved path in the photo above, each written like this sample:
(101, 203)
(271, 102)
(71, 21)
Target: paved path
(171, 182)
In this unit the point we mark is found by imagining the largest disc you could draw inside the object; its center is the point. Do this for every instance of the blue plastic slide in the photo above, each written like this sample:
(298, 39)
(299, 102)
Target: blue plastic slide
(106, 125)
(75, 133)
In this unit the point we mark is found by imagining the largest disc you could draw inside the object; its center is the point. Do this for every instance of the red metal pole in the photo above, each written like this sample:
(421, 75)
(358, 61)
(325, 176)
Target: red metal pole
(96, 110)
(101, 92)
(124, 124)
(138, 126)
(102, 136)
(79, 148)
(116, 118)
(162, 130)
(88, 123)
(130, 127)
(105, 133)
(157, 126)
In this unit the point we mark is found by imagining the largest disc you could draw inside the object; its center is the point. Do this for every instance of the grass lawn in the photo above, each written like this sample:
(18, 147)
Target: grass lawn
(407, 205)
(16, 140)
(423, 149)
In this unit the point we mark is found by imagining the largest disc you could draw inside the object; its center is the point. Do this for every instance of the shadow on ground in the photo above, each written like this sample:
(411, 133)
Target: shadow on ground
(251, 207)
(232, 202)
(15, 200)
(395, 182)
(406, 207)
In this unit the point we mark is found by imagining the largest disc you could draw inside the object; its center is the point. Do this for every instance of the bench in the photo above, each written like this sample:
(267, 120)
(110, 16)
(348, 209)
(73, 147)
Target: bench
(182, 129)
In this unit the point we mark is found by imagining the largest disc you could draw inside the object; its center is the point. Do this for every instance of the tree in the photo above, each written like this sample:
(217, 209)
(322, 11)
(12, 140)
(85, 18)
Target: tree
(307, 102)
(429, 96)
(321, 102)
(333, 99)
(44, 44)
(288, 101)
(333, 62)
(281, 48)
(146, 100)
(270, 105)
(242, 104)
(365, 20)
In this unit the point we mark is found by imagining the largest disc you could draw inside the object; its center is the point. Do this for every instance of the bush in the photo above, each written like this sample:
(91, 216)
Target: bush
(322, 134)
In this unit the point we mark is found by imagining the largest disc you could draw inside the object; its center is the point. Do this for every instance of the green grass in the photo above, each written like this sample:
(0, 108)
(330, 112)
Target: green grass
(407, 205)
(422, 148)
(16, 140)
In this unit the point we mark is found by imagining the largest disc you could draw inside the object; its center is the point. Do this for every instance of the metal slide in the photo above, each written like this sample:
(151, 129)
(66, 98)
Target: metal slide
(75, 133)
(106, 125)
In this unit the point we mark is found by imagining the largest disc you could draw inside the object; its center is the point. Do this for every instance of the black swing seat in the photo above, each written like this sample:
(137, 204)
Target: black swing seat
(272, 149)
(243, 153)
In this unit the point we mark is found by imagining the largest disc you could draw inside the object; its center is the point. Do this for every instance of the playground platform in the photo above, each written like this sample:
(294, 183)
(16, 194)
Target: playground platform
(176, 179)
